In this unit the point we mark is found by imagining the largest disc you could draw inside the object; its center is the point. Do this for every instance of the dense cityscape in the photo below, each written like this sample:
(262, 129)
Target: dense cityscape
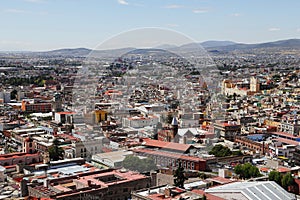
(150, 124)
(149, 100)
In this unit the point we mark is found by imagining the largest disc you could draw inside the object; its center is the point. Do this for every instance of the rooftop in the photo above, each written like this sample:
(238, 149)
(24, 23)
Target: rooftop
(166, 145)
(263, 190)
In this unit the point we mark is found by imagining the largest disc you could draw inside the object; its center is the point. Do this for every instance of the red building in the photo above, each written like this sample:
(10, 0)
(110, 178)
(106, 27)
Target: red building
(172, 160)
(36, 107)
(170, 154)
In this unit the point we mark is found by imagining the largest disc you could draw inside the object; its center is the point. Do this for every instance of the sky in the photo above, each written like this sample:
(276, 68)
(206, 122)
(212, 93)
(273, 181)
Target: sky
(36, 25)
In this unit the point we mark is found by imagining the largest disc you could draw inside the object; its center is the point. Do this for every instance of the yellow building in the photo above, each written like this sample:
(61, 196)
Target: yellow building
(100, 115)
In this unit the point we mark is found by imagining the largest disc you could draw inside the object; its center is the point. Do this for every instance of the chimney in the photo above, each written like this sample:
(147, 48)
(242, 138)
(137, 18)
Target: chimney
(153, 175)
(24, 188)
(46, 182)
(89, 183)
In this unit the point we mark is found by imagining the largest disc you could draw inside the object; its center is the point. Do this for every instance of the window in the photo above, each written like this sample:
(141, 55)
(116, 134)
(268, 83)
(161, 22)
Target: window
(192, 165)
(184, 164)
(188, 165)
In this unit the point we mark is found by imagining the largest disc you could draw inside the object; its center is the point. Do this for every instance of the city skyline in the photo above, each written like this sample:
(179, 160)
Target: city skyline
(36, 25)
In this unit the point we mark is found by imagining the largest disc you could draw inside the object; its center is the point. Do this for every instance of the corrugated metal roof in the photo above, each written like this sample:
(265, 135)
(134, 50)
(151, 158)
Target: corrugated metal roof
(263, 190)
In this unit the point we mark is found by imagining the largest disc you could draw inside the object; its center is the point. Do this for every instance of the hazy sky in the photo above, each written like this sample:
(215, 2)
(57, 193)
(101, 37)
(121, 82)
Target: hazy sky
(52, 24)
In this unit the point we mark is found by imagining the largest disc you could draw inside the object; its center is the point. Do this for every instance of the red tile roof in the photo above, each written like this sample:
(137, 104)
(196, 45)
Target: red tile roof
(208, 196)
(166, 145)
(287, 141)
(169, 155)
(66, 113)
(283, 169)
(220, 180)
(284, 134)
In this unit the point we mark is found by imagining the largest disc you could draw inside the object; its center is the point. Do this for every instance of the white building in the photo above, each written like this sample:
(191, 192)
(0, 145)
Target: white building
(140, 122)
(111, 159)
(5, 96)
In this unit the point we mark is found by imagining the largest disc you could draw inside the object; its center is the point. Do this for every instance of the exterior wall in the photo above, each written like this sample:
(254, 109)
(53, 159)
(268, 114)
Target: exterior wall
(296, 156)
(173, 163)
(228, 132)
(282, 150)
(5, 96)
(36, 107)
(254, 84)
(100, 115)
(17, 158)
(255, 146)
(87, 148)
(140, 122)
(111, 191)
(290, 128)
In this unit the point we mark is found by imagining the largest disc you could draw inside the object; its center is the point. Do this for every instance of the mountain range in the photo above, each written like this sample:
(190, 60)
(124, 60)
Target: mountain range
(212, 46)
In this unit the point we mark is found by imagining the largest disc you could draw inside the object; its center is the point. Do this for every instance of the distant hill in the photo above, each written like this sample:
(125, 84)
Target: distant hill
(214, 43)
(78, 52)
(291, 43)
(211, 46)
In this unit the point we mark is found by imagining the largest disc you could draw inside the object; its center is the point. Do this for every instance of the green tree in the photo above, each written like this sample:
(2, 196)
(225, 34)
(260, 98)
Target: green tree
(179, 177)
(287, 180)
(275, 176)
(55, 152)
(202, 175)
(220, 151)
(169, 118)
(141, 165)
(247, 171)
(13, 94)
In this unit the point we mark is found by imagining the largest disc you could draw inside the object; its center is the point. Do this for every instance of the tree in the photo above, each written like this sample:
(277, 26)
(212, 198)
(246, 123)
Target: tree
(179, 177)
(220, 151)
(247, 171)
(55, 152)
(275, 176)
(287, 180)
(13, 94)
(169, 118)
(202, 175)
(141, 165)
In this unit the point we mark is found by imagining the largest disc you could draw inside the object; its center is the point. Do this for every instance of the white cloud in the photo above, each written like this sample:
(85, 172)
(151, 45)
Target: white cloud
(200, 10)
(274, 29)
(123, 2)
(298, 30)
(13, 10)
(173, 6)
(235, 14)
(19, 11)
